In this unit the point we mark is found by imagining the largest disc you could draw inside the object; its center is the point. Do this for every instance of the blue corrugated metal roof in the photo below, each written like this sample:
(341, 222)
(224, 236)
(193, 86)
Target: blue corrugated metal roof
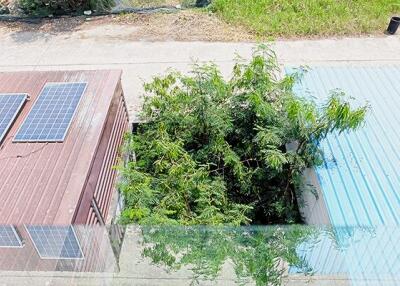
(360, 254)
(360, 178)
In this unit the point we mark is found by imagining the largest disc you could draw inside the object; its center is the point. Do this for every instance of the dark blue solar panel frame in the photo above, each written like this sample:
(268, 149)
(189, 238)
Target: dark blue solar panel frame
(10, 105)
(52, 113)
(55, 242)
(9, 237)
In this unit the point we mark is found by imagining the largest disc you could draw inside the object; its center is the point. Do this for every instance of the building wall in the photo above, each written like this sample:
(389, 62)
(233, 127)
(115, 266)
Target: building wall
(101, 184)
(311, 200)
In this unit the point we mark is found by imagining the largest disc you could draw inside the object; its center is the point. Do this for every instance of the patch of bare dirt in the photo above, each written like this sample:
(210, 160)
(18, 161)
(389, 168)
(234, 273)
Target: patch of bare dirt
(185, 25)
(48, 25)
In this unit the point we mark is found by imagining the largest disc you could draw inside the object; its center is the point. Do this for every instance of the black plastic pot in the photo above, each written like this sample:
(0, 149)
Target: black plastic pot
(393, 25)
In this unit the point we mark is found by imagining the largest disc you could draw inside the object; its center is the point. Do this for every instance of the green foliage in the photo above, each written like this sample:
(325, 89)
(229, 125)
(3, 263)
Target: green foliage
(215, 151)
(46, 7)
(312, 17)
(61, 7)
(256, 253)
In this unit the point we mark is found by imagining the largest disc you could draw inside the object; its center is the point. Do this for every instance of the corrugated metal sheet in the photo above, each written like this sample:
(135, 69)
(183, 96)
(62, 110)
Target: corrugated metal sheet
(106, 184)
(100, 185)
(367, 256)
(360, 178)
(42, 183)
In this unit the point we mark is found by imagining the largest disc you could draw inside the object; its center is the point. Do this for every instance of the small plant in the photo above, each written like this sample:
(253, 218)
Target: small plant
(214, 151)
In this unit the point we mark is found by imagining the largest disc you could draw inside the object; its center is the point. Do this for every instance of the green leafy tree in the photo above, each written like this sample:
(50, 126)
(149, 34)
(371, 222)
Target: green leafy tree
(216, 151)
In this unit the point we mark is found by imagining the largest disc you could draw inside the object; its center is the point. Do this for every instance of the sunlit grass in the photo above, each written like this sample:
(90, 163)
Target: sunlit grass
(308, 17)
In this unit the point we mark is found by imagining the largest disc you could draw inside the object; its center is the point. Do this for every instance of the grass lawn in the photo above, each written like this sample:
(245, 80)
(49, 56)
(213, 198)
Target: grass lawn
(308, 17)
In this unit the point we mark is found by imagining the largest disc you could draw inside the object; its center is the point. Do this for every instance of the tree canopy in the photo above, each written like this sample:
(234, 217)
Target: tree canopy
(215, 151)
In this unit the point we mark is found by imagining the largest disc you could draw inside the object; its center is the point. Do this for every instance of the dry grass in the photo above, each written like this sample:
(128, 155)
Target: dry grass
(187, 25)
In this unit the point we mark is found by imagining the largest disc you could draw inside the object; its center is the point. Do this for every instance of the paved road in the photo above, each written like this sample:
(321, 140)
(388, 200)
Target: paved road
(110, 46)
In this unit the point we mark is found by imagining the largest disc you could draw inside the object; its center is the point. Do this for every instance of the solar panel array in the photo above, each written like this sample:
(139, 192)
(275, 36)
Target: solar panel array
(52, 113)
(9, 237)
(55, 242)
(10, 104)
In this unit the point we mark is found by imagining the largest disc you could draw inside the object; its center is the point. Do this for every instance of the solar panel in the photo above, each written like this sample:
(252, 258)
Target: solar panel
(10, 105)
(9, 237)
(55, 242)
(52, 113)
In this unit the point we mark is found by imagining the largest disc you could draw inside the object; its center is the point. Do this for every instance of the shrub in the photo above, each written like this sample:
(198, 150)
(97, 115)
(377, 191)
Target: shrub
(46, 7)
(61, 7)
(101, 5)
(213, 151)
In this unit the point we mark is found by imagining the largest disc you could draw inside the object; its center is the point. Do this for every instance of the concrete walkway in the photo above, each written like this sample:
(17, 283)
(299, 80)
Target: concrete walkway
(109, 46)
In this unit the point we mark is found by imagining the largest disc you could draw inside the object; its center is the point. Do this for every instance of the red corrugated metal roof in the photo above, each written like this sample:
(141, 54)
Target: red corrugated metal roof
(41, 183)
